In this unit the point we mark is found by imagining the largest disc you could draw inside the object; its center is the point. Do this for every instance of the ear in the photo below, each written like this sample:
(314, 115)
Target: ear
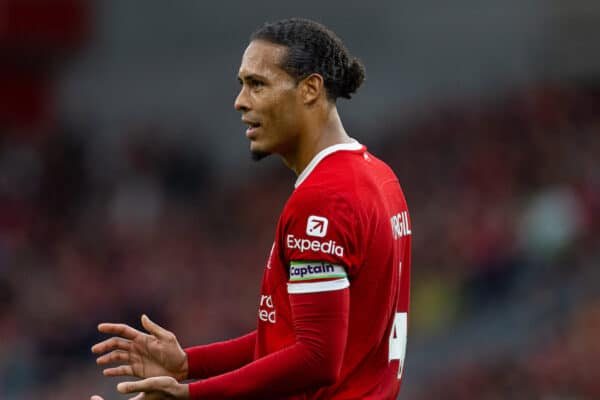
(312, 88)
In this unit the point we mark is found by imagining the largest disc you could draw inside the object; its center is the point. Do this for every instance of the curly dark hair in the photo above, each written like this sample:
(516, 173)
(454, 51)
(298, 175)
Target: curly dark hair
(312, 48)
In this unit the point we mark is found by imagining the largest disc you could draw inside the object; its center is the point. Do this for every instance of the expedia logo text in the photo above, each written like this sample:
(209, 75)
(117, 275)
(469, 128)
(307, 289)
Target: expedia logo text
(329, 247)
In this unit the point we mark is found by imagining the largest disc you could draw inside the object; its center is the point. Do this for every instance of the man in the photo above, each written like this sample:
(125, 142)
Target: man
(332, 311)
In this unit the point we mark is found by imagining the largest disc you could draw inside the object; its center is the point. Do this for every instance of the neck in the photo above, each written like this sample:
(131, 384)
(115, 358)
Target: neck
(317, 136)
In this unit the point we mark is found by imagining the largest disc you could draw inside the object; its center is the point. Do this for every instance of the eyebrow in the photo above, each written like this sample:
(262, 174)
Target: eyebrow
(251, 77)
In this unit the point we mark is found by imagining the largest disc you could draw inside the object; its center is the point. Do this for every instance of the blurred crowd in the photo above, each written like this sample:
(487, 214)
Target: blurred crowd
(505, 199)
(504, 196)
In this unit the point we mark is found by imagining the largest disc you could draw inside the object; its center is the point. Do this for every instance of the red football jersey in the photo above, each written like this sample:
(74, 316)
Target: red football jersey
(345, 225)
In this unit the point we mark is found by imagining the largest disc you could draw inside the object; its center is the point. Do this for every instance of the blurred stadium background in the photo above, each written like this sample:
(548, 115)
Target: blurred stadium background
(126, 187)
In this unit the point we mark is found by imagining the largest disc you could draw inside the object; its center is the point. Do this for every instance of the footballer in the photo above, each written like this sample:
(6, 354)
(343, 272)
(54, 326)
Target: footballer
(332, 309)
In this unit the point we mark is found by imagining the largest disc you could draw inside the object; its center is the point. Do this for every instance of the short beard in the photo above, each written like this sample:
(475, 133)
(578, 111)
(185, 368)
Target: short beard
(259, 155)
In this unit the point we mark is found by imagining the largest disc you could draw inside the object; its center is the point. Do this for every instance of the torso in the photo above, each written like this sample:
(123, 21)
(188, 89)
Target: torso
(368, 231)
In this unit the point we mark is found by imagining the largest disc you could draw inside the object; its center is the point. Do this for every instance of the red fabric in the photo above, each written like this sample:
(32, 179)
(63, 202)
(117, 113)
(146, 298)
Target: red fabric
(217, 358)
(321, 325)
(369, 228)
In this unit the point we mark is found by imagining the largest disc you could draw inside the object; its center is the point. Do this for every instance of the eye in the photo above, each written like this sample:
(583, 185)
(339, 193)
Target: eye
(255, 83)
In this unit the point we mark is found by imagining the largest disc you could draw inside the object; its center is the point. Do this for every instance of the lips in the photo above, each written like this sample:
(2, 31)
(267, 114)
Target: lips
(252, 128)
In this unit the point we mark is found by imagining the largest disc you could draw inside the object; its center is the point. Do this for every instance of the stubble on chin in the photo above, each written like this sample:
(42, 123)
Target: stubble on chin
(258, 155)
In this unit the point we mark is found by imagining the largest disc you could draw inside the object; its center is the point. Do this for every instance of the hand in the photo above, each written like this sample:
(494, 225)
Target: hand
(158, 388)
(144, 355)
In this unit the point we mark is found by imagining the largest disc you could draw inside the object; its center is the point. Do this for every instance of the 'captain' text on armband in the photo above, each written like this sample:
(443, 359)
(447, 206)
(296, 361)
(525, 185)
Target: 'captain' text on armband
(400, 225)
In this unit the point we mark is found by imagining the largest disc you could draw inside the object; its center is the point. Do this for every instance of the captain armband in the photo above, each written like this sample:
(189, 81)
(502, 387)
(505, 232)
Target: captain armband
(316, 276)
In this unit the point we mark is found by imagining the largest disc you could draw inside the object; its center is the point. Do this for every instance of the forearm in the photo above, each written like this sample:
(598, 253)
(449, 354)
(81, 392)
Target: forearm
(218, 358)
(285, 372)
(321, 324)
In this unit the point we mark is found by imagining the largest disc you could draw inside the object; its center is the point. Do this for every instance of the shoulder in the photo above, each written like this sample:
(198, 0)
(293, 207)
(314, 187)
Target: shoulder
(344, 182)
(323, 191)
(344, 176)
(335, 173)
(316, 199)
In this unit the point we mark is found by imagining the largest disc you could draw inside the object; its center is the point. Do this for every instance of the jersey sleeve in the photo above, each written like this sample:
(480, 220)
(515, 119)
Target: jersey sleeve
(220, 357)
(314, 361)
(321, 241)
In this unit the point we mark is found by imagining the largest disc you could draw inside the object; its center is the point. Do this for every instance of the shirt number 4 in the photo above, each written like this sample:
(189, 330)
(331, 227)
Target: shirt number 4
(397, 350)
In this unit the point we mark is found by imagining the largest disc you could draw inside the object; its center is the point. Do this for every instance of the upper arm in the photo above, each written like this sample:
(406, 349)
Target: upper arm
(320, 243)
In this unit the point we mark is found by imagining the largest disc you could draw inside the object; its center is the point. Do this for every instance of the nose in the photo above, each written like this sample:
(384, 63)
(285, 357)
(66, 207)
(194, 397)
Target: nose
(241, 101)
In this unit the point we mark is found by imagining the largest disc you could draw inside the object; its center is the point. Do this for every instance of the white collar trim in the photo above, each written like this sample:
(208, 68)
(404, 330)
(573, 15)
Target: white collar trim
(354, 145)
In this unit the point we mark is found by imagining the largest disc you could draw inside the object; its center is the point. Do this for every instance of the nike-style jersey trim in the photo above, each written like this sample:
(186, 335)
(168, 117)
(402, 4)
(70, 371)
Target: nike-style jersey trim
(355, 145)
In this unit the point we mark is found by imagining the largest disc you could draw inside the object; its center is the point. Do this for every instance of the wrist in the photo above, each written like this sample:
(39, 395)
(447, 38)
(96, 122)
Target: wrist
(183, 372)
(185, 391)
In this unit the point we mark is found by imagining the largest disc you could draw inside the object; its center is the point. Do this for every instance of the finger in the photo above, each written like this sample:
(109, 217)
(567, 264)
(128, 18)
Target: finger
(140, 396)
(121, 370)
(144, 385)
(114, 343)
(113, 356)
(123, 330)
(96, 397)
(154, 328)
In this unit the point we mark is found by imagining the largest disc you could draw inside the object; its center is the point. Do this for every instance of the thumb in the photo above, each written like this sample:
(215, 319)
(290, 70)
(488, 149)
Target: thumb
(154, 328)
